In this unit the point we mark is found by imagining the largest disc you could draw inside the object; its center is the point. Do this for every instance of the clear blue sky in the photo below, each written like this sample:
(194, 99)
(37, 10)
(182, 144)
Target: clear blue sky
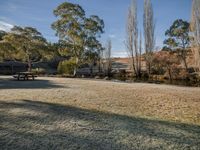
(38, 13)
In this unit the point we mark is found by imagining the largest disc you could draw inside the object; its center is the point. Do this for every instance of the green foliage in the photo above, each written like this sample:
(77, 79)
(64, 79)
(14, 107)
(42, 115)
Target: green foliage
(7, 51)
(67, 67)
(91, 56)
(5, 48)
(76, 32)
(29, 44)
(171, 42)
(39, 71)
(2, 34)
(179, 39)
(178, 34)
(94, 26)
(50, 51)
(68, 26)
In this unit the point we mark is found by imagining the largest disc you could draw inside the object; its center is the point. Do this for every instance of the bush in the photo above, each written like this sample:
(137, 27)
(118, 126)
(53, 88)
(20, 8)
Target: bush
(39, 71)
(66, 67)
(157, 70)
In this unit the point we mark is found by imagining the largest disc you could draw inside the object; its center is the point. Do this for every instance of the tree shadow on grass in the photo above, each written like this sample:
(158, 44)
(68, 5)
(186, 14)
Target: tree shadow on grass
(6, 83)
(38, 125)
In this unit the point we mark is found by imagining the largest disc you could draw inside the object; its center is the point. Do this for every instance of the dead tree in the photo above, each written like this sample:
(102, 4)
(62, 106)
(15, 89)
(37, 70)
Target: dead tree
(149, 35)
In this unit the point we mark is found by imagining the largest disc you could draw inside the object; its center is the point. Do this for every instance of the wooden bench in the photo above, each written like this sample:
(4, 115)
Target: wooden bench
(25, 76)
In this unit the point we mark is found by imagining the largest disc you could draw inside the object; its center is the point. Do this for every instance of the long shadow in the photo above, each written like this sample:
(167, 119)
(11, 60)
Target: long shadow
(6, 83)
(39, 125)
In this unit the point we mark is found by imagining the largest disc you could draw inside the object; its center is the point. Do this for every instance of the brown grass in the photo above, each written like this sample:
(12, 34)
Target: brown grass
(58, 113)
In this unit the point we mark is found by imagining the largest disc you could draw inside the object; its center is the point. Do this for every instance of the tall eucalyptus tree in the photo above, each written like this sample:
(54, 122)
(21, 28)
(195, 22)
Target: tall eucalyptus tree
(76, 30)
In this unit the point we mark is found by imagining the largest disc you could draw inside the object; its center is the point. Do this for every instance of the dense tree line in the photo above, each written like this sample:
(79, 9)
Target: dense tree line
(25, 44)
(78, 39)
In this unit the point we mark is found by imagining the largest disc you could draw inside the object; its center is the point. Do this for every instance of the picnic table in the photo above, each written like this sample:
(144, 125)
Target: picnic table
(25, 75)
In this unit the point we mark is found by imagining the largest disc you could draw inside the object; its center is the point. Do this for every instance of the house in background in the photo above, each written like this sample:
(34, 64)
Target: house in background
(12, 67)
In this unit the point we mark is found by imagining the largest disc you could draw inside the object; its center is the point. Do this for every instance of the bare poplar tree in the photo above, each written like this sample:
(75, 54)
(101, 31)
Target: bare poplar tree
(100, 53)
(133, 50)
(195, 26)
(108, 59)
(149, 36)
(140, 55)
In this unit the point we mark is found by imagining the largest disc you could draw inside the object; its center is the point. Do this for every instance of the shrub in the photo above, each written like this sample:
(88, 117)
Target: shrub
(39, 71)
(66, 67)
(168, 61)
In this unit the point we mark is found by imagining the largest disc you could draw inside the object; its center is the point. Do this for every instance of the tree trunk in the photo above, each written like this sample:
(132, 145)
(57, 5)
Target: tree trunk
(75, 70)
(133, 65)
(91, 70)
(12, 69)
(199, 59)
(76, 67)
(28, 61)
(148, 68)
(170, 75)
(99, 65)
(29, 66)
(185, 64)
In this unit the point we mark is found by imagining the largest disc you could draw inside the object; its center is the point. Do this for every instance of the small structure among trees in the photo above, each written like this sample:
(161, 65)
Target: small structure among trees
(24, 44)
(12, 67)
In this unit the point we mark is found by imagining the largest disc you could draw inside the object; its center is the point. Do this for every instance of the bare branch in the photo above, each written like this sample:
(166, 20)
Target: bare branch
(149, 32)
(132, 38)
(195, 27)
(108, 63)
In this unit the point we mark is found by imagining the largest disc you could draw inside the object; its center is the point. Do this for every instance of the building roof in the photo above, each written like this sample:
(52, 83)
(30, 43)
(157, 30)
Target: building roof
(12, 63)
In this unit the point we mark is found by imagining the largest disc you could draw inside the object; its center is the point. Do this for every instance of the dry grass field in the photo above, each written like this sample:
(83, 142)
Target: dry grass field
(70, 114)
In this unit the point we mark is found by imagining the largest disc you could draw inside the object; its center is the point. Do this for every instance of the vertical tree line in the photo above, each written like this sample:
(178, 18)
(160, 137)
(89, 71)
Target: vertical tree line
(149, 33)
(134, 46)
(108, 59)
